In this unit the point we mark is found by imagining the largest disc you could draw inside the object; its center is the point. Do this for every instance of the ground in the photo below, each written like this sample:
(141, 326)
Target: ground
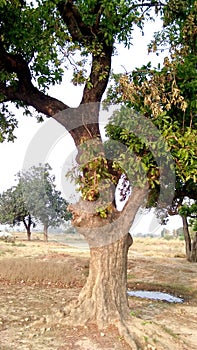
(37, 279)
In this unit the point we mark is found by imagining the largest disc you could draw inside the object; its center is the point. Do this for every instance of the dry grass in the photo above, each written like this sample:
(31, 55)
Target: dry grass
(158, 247)
(39, 279)
(38, 272)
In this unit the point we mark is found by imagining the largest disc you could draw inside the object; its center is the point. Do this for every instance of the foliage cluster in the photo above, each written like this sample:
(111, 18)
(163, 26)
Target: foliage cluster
(167, 96)
(34, 200)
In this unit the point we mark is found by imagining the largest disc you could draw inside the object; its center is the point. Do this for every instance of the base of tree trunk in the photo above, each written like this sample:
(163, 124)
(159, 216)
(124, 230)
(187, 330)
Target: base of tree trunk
(190, 245)
(29, 236)
(103, 299)
(137, 334)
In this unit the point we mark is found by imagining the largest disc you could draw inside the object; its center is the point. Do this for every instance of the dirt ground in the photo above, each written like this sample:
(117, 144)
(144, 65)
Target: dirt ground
(37, 279)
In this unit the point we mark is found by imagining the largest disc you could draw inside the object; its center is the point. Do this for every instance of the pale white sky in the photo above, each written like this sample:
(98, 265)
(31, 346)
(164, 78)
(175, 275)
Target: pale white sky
(13, 155)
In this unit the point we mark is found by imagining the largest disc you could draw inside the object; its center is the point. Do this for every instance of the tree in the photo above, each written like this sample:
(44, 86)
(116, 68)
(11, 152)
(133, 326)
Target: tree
(13, 210)
(77, 32)
(186, 211)
(41, 198)
(34, 199)
(167, 96)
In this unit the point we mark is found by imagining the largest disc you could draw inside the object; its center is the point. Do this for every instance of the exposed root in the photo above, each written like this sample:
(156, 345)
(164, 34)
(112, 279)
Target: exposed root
(131, 340)
(138, 334)
(142, 335)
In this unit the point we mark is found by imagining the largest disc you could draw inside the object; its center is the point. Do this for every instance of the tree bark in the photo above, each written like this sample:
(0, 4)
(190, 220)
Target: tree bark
(103, 299)
(28, 235)
(28, 227)
(190, 245)
(45, 230)
(193, 255)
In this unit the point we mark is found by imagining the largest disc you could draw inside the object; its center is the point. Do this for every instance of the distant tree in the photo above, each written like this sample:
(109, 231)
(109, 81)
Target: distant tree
(13, 210)
(42, 199)
(165, 232)
(179, 232)
(188, 214)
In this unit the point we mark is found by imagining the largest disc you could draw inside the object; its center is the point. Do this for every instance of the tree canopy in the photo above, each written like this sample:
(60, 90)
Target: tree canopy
(42, 199)
(76, 33)
(167, 96)
(34, 200)
(13, 210)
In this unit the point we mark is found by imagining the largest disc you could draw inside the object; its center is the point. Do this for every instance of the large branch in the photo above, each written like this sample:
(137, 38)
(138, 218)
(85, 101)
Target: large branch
(15, 63)
(99, 76)
(80, 32)
(71, 16)
(43, 103)
(24, 90)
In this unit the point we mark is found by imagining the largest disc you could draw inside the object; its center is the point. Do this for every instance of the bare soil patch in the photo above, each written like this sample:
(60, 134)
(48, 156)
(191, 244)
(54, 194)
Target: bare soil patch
(37, 280)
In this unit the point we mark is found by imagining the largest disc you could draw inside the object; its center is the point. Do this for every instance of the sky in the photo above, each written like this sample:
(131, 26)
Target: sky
(15, 156)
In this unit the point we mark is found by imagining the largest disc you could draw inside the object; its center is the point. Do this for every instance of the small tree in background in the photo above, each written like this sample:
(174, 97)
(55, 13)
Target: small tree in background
(188, 213)
(13, 210)
(42, 199)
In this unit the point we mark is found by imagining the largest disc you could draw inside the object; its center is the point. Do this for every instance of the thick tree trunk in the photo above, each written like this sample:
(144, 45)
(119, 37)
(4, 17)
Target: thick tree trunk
(103, 300)
(190, 245)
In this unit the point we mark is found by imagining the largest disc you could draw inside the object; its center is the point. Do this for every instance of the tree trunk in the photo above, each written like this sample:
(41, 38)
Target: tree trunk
(193, 255)
(190, 246)
(28, 227)
(45, 230)
(103, 299)
(28, 235)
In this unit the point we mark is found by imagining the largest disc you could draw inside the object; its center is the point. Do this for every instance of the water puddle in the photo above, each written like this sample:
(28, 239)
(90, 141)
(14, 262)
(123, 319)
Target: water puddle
(155, 296)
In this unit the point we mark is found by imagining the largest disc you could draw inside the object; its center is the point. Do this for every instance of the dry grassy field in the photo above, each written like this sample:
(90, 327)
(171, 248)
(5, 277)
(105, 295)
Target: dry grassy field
(37, 279)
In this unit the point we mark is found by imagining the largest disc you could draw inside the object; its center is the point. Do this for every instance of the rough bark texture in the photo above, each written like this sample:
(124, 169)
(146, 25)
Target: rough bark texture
(103, 300)
(190, 245)
(81, 122)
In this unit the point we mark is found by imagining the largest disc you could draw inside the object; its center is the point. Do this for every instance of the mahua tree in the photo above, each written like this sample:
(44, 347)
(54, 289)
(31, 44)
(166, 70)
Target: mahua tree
(38, 39)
